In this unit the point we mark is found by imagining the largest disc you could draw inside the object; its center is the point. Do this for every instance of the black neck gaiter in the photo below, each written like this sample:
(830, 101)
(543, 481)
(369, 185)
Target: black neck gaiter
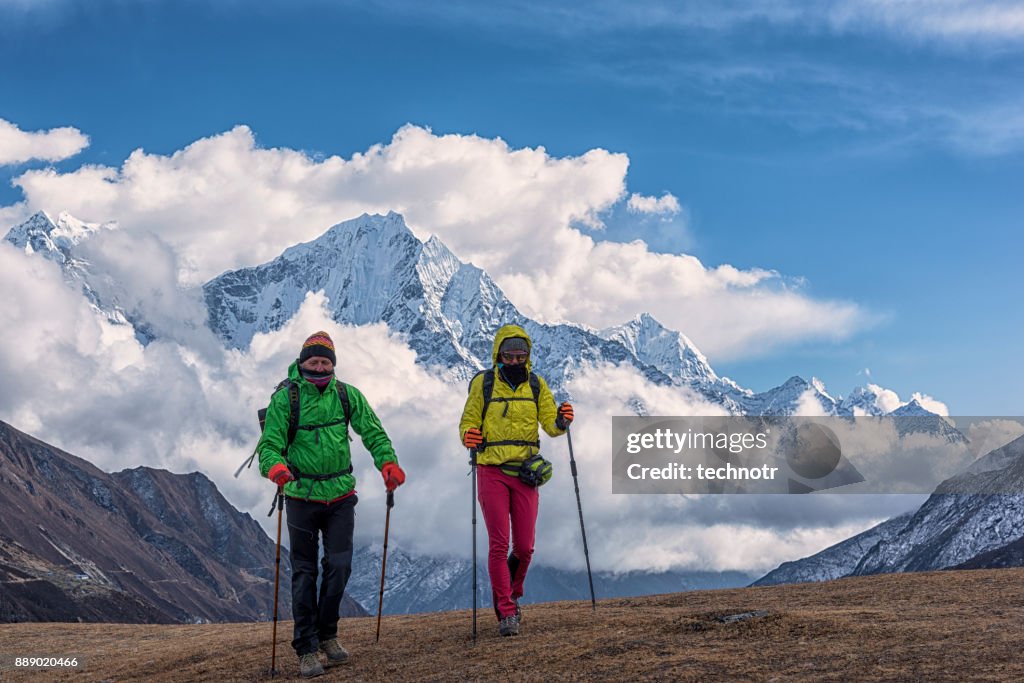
(514, 374)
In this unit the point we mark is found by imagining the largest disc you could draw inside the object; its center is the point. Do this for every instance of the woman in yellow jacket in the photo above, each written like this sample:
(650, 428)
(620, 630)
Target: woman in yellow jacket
(502, 428)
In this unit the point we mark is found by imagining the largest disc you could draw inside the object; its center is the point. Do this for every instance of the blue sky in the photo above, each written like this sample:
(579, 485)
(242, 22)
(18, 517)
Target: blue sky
(869, 152)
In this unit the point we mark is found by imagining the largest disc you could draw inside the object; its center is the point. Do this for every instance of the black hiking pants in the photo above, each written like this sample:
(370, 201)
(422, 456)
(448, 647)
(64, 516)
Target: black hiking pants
(316, 617)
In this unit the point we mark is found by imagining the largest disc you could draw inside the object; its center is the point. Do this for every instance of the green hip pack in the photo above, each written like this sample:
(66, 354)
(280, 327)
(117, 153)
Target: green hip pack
(534, 471)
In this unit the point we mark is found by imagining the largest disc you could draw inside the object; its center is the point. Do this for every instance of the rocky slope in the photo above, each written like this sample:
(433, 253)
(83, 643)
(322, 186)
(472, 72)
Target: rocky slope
(973, 520)
(141, 545)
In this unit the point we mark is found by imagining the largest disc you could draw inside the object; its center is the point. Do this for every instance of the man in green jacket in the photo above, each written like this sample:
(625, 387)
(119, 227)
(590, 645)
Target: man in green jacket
(315, 470)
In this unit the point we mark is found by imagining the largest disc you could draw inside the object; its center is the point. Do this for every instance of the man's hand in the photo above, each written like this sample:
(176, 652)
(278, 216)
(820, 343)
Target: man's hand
(472, 438)
(393, 476)
(279, 474)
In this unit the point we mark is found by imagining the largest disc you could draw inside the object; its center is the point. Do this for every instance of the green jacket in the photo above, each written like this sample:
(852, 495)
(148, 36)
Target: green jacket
(320, 451)
(519, 421)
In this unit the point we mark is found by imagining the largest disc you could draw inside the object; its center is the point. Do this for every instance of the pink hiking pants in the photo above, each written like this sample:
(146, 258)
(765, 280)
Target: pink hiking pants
(504, 500)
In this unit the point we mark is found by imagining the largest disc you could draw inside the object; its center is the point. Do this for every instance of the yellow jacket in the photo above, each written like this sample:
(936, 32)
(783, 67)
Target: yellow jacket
(513, 420)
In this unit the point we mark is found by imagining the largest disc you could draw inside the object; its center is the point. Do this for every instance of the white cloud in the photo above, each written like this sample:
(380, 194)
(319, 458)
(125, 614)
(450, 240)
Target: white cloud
(184, 403)
(223, 202)
(665, 204)
(989, 435)
(17, 146)
(936, 20)
(988, 129)
(931, 404)
(165, 406)
(933, 19)
(901, 20)
(887, 399)
(808, 404)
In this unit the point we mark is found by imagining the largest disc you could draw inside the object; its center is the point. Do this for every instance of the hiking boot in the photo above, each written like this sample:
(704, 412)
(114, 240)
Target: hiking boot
(309, 665)
(336, 654)
(509, 626)
(519, 613)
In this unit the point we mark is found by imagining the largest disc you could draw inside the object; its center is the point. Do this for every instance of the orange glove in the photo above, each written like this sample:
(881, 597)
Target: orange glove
(279, 474)
(565, 415)
(472, 438)
(393, 475)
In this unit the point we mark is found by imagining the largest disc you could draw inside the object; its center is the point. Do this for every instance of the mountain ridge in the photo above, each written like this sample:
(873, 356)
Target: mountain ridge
(140, 545)
(970, 521)
(374, 269)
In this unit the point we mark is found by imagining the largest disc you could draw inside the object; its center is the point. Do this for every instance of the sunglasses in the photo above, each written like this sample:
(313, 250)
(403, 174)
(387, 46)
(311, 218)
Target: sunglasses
(514, 357)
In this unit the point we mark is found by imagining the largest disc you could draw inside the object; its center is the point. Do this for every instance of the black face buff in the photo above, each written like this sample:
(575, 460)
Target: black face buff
(514, 374)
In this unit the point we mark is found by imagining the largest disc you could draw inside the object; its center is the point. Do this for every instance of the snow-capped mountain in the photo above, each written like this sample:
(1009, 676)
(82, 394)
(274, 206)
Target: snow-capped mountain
(673, 352)
(916, 419)
(794, 395)
(57, 241)
(374, 269)
(970, 520)
(861, 401)
(53, 239)
(968, 515)
(836, 561)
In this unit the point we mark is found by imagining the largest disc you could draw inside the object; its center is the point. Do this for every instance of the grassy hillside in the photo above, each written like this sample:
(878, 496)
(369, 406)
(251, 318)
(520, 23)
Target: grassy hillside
(956, 626)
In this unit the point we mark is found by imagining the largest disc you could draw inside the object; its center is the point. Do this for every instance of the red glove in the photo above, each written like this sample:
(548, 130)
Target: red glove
(393, 475)
(565, 415)
(472, 438)
(279, 474)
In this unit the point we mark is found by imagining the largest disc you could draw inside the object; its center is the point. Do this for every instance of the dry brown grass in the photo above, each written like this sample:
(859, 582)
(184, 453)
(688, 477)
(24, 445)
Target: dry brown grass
(939, 626)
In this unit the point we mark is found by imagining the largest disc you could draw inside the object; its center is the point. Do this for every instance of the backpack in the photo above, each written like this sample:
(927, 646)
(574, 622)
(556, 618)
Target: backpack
(294, 427)
(489, 392)
(488, 388)
(293, 420)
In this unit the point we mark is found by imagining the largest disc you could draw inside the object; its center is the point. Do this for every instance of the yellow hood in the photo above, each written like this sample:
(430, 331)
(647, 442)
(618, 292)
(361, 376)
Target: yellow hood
(508, 332)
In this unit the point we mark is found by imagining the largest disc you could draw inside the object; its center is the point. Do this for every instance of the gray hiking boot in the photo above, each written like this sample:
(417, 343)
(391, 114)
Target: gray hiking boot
(509, 626)
(519, 613)
(336, 654)
(309, 665)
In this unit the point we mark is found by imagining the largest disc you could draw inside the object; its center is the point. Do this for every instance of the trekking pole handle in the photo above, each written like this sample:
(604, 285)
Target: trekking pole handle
(391, 499)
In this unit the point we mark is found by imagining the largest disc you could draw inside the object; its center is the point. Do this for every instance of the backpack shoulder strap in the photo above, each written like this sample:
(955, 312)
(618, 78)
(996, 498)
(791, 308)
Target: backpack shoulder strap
(488, 392)
(293, 405)
(346, 405)
(488, 389)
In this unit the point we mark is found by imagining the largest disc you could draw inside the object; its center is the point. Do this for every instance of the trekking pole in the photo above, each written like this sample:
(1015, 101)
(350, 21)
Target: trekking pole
(472, 472)
(384, 561)
(245, 463)
(579, 506)
(277, 579)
